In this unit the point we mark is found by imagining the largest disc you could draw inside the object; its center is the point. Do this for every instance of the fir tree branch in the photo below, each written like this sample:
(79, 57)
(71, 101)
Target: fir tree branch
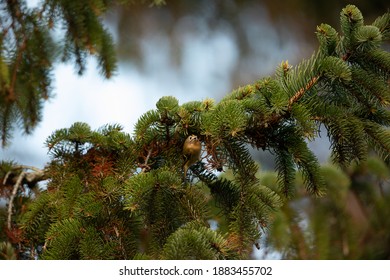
(16, 16)
(276, 117)
(11, 91)
(302, 91)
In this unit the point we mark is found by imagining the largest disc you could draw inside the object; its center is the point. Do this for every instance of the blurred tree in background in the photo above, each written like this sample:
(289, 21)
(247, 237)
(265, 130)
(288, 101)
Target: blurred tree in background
(263, 31)
(348, 223)
(110, 195)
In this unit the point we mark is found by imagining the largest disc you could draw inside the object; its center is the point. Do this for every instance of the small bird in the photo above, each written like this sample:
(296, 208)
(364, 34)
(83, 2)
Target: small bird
(191, 152)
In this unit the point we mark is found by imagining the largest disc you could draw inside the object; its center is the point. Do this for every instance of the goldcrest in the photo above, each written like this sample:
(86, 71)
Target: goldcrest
(191, 152)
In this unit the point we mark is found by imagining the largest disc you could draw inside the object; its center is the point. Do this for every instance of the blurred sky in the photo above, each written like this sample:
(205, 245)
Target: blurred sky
(188, 55)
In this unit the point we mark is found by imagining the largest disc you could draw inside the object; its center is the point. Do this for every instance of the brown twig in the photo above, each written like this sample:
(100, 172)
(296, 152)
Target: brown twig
(30, 177)
(11, 199)
(145, 166)
(302, 91)
(6, 177)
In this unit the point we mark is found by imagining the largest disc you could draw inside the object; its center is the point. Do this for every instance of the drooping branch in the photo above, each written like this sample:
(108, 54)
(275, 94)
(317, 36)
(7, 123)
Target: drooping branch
(11, 92)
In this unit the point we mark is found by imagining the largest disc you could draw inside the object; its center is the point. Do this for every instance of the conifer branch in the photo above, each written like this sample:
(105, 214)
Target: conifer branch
(17, 15)
(145, 166)
(11, 91)
(302, 91)
(276, 118)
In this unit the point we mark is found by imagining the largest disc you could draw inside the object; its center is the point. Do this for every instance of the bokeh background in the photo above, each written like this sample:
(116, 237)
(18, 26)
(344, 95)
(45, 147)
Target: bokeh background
(195, 49)
(188, 49)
